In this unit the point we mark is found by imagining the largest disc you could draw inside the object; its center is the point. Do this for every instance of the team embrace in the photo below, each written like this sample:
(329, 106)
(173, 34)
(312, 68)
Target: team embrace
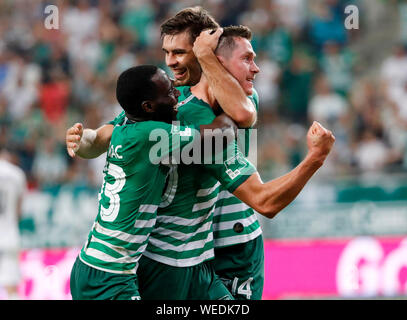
(172, 230)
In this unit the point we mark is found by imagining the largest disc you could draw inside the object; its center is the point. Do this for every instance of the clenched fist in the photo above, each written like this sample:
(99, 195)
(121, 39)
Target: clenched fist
(73, 138)
(319, 140)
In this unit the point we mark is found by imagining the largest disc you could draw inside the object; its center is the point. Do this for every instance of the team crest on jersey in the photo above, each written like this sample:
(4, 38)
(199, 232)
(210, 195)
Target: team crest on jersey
(175, 129)
(234, 165)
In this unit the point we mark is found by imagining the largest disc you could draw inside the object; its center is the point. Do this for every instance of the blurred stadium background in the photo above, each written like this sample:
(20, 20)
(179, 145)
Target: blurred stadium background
(343, 237)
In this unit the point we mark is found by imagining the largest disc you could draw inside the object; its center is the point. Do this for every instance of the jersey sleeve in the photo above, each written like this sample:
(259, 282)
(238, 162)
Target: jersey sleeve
(118, 120)
(230, 167)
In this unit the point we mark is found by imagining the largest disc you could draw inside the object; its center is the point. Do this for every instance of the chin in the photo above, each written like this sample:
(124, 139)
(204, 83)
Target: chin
(249, 91)
(181, 82)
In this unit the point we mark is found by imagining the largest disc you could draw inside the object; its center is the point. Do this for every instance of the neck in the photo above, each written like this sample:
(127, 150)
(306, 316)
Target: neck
(136, 119)
(203, 91)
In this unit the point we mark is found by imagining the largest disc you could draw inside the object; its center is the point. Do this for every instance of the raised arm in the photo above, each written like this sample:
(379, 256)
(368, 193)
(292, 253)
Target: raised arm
(88, 143)
(271, 197)
(224, 86)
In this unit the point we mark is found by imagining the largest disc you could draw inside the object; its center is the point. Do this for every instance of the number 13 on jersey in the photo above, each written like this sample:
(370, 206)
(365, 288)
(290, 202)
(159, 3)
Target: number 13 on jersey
(111, 192)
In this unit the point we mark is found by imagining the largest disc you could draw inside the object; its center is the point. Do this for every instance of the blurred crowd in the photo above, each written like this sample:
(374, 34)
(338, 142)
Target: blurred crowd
(50, 79)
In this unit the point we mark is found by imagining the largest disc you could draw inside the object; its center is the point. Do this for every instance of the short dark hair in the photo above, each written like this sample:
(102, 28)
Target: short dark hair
(135, 86)
(192, 19)
(227, 43)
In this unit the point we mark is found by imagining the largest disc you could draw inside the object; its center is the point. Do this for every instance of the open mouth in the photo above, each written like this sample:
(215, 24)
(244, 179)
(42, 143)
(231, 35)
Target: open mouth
(179, 74)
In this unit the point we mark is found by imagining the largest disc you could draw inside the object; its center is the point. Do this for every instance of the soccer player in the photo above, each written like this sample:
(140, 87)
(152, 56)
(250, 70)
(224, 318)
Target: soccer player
(12, 189)
(132, 186)
(183, 241)
(179, 34)
(176, 263)
(238, 242)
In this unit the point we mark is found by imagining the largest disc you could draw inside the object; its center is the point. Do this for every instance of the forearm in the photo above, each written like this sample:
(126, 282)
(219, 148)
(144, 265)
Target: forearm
(93, 144)
(222, 122)
(278, 193)
(227, 91)
(222, 130)
(271, 197)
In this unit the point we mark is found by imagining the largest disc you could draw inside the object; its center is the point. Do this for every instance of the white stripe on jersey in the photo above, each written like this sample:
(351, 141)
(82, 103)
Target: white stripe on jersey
(227, 241)
(149, 208)
(182, 221)
(208, 191)
(225, 195)
(127, 237)
(232, 208)
(183, 247)
(209, 254)
(182, 236)
(95, 253)
(131, 271)
(226, 225)
(145, 223)
(204, 205)
(120, 250)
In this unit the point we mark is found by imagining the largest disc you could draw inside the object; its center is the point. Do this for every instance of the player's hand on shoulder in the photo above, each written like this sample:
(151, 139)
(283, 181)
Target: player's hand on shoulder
(73, 138)
(206, 42)
(319, 139)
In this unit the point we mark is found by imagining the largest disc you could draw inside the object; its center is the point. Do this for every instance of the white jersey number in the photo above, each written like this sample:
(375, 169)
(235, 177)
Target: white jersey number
(171, 189)
(111, 191)
(244, 288)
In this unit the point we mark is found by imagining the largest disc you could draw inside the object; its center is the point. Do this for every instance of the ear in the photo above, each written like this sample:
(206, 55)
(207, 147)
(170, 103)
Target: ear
(147, 106)
(221, 59)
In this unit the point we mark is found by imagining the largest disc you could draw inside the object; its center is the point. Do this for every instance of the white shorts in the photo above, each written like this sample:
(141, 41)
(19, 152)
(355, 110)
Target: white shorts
(10, 274)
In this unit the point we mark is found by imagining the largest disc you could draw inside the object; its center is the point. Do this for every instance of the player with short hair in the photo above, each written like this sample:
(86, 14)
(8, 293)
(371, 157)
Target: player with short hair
(178, 34)
(238, 241)
(178, 261)
(132, 186)
(228, 93)
(12, 188)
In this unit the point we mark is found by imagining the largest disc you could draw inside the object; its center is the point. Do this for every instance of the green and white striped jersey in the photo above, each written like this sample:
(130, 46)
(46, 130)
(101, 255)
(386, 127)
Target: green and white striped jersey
(131, 192)
(183, 234)
(235, 222)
